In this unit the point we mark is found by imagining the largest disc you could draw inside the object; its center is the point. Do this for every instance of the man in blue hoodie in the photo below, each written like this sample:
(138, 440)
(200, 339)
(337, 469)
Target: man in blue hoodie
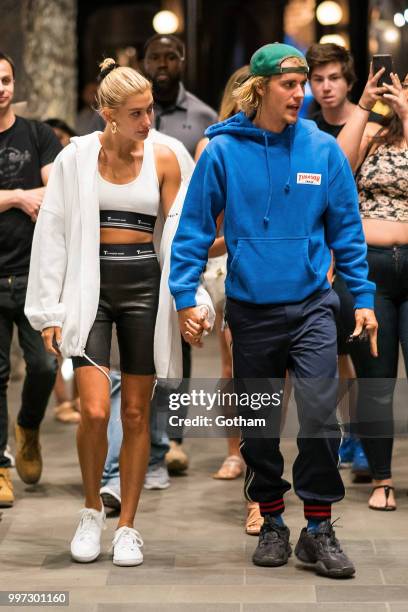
(289, 198)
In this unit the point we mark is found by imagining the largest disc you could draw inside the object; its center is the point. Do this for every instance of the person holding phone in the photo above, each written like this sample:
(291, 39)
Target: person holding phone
(379, 155)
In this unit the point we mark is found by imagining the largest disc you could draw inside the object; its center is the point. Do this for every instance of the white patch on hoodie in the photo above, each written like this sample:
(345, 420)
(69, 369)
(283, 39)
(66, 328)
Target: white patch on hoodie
(308, 178)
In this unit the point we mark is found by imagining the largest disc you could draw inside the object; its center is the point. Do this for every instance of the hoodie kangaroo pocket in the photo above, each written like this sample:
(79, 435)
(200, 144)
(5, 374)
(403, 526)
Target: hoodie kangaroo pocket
(272, 270)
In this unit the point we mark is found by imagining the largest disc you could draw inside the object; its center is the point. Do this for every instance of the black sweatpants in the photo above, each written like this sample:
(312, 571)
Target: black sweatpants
(41, 368)
(301, 337)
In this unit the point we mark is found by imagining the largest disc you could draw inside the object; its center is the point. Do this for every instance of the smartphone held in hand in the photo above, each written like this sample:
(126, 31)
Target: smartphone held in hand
(383, 61)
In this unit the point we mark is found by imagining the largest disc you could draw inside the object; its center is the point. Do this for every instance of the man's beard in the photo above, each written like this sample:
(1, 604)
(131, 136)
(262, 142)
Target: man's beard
(163, 88)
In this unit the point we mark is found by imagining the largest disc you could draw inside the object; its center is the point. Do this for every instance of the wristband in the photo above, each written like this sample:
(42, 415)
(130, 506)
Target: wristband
(368, 110)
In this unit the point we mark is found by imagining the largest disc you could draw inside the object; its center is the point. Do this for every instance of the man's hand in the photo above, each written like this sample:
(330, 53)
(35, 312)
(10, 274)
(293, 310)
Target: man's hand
(51, 346)
(193, 321)
(30, 200)
(366, 322)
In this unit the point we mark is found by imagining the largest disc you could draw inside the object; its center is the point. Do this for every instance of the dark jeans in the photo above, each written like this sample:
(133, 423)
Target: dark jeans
(388, 268)
(41, 368)
(301, 337)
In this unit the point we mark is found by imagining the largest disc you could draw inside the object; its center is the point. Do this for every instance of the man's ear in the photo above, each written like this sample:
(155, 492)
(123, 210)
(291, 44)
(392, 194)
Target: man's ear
(260, 88)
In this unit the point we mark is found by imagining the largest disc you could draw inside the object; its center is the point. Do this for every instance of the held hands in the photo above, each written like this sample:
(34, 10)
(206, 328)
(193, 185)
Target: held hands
(52, 337)
(396, 97)
(30, 201)
(193, 322)
(372, 92)
(366, 323)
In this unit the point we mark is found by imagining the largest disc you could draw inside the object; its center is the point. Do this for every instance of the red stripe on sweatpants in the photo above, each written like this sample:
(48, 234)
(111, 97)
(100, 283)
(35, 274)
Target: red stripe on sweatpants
(274, 503)
(274, 509)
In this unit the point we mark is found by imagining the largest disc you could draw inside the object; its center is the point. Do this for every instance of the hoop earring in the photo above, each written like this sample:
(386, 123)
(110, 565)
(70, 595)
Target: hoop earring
(114, 127)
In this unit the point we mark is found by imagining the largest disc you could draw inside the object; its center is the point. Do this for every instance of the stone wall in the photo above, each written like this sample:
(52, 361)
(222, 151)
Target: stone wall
(49, 57)
(40, 35)
(12, 41)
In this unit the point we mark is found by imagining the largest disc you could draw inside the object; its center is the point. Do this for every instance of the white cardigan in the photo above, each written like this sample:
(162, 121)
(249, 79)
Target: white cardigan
(64, 279)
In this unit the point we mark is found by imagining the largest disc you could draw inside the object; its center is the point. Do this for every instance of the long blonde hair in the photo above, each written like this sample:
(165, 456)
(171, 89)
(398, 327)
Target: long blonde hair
(247, 95)
(229, 106)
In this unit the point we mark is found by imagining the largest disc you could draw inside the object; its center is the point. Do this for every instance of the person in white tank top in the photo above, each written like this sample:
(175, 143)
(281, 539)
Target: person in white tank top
(134, 181)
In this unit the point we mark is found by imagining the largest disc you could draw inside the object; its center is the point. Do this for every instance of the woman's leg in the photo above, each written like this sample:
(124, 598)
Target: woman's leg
(347, 392)
(377, 377)
(224, 337)
(233, 465)
(403, 331)
(134, 454)
(92, 441)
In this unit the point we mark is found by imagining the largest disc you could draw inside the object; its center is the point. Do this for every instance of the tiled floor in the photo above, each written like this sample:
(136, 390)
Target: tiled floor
(197, 557)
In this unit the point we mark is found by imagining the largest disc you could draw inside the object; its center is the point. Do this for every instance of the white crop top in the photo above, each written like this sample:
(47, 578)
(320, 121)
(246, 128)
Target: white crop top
(132, 205)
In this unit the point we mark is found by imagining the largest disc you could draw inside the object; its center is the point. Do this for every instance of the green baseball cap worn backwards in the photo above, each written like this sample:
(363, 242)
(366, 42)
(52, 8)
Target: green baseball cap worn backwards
(267, 61)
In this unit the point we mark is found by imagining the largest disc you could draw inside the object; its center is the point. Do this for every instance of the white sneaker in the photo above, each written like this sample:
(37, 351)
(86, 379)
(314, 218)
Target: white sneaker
(110, 495)
(126, 547)
(10, 456)
(157, 477)
(86, 543)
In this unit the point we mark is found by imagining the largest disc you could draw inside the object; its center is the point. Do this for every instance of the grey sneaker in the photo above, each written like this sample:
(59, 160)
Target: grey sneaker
(321, 550)
(157, 477)
(110, 494)
(273, 547)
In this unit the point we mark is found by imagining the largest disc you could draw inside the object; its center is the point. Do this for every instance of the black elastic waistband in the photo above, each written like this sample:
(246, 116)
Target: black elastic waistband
(126, 252)
(127, 220)
(387, 249)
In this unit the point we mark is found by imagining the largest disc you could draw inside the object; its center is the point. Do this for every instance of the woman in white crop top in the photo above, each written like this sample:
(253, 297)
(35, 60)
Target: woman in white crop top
(133, 181)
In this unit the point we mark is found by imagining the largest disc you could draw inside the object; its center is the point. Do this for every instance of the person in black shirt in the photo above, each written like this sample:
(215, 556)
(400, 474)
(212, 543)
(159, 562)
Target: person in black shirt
(332, 78)
(27, 150)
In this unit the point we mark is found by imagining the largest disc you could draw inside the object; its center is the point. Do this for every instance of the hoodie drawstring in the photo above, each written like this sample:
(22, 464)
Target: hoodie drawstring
(291, 136)
(268, 165)
(268, 207)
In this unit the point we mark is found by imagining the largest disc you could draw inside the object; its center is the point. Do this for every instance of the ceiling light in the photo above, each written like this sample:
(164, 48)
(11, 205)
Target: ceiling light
(391, 35)
(337, 39)
(406, 14)
(165, 22)
(329, 13)
(399, 20)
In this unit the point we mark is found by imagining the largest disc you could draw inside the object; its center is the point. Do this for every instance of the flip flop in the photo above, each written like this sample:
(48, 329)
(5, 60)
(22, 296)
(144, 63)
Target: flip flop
(387, 507)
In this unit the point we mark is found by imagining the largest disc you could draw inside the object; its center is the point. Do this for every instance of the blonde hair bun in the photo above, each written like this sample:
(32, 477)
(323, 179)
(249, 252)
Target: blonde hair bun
(107, 63)
(106, 66)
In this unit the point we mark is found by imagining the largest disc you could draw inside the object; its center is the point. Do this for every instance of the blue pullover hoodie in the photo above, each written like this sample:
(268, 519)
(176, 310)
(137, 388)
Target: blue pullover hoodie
(288, 199)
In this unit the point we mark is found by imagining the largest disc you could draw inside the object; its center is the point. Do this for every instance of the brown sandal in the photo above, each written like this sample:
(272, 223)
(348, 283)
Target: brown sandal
(232, 468)
(387, 507)
(66, 412)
